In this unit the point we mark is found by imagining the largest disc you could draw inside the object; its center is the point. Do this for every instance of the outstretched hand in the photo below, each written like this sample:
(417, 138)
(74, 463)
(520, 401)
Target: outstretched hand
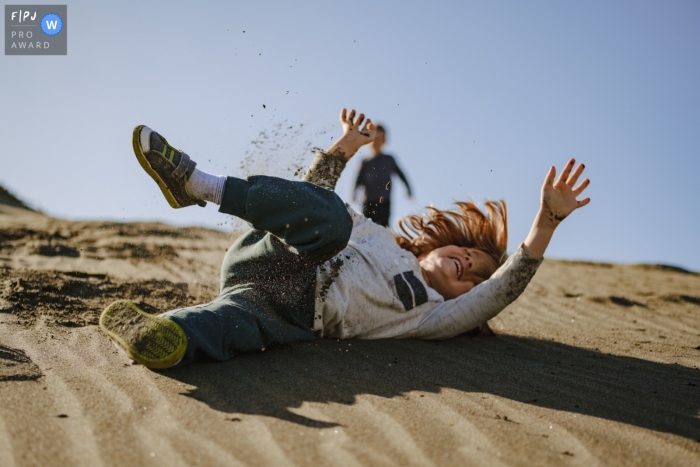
(355, 135)
(558, 201)
(559, 198)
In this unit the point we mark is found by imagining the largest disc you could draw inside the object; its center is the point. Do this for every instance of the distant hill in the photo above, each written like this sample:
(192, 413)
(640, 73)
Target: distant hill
(11, 200)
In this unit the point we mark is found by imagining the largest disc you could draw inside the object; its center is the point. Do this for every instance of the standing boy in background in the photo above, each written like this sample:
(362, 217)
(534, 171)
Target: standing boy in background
(375, 176)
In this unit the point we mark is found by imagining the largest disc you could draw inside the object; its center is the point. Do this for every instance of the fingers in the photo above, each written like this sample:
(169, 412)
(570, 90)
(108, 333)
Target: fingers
(583, 202)
(574, 176)
(566, 171)
(579, 189)
(549, 179)
(347, 118)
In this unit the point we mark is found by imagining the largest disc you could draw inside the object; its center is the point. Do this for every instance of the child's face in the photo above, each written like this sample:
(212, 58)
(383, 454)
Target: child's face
(445, 269)
(379, 141)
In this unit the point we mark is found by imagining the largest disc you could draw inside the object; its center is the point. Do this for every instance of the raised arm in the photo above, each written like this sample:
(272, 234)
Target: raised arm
(486, 300)
(327, 166)
(557, 202)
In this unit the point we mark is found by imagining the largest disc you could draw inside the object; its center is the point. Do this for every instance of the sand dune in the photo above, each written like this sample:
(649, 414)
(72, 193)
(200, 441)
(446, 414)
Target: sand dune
(596, 364)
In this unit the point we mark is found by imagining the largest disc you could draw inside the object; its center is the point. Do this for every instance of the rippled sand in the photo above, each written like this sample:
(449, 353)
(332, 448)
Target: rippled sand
(596, 364)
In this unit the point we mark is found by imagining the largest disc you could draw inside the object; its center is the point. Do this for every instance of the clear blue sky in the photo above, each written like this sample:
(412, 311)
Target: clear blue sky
(480, 98)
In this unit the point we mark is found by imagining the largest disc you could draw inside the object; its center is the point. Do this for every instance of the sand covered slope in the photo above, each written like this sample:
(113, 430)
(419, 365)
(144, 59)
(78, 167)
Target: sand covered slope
(596, 364)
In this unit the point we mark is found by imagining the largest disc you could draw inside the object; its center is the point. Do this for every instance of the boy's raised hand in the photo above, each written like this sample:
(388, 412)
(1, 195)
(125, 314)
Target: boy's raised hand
(355, 135)
(559, 198)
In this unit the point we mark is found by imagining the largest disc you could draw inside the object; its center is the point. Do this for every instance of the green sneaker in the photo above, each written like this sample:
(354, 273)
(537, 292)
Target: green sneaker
(150, 340)
(169, 167)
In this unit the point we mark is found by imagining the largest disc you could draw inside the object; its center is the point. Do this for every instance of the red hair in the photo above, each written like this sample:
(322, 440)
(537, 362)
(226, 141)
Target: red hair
(465, 226)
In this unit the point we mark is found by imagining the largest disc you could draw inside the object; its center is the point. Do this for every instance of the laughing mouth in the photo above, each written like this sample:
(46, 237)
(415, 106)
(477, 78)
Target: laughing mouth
(460, 270)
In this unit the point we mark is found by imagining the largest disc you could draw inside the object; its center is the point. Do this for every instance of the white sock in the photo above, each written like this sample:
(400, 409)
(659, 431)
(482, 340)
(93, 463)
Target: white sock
(207, 187)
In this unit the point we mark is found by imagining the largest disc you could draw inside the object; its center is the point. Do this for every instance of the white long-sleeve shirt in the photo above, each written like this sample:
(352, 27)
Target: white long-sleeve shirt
(374, 289)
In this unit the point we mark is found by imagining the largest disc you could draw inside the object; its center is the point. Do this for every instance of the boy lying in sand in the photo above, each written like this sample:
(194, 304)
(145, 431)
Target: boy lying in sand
(313, 267)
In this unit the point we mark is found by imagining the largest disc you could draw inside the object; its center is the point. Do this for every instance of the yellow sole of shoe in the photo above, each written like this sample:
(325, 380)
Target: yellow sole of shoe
(150, 340)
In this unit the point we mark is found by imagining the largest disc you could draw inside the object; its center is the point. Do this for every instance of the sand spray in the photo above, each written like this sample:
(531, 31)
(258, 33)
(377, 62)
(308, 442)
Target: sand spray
(285, 150)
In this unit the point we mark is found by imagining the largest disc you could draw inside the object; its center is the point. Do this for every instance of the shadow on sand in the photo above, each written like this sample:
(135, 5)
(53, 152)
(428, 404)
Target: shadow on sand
(656, 396)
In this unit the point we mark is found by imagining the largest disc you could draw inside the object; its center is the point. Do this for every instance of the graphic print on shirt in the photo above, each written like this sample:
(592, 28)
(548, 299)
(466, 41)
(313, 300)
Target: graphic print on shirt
(411, 290)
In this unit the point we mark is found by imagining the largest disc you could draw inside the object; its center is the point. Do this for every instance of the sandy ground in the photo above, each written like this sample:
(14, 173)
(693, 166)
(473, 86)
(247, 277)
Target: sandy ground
(596, 364)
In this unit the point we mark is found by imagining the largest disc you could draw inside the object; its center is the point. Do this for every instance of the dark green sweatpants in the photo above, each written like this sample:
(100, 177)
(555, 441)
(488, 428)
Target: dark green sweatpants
(268, 275)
